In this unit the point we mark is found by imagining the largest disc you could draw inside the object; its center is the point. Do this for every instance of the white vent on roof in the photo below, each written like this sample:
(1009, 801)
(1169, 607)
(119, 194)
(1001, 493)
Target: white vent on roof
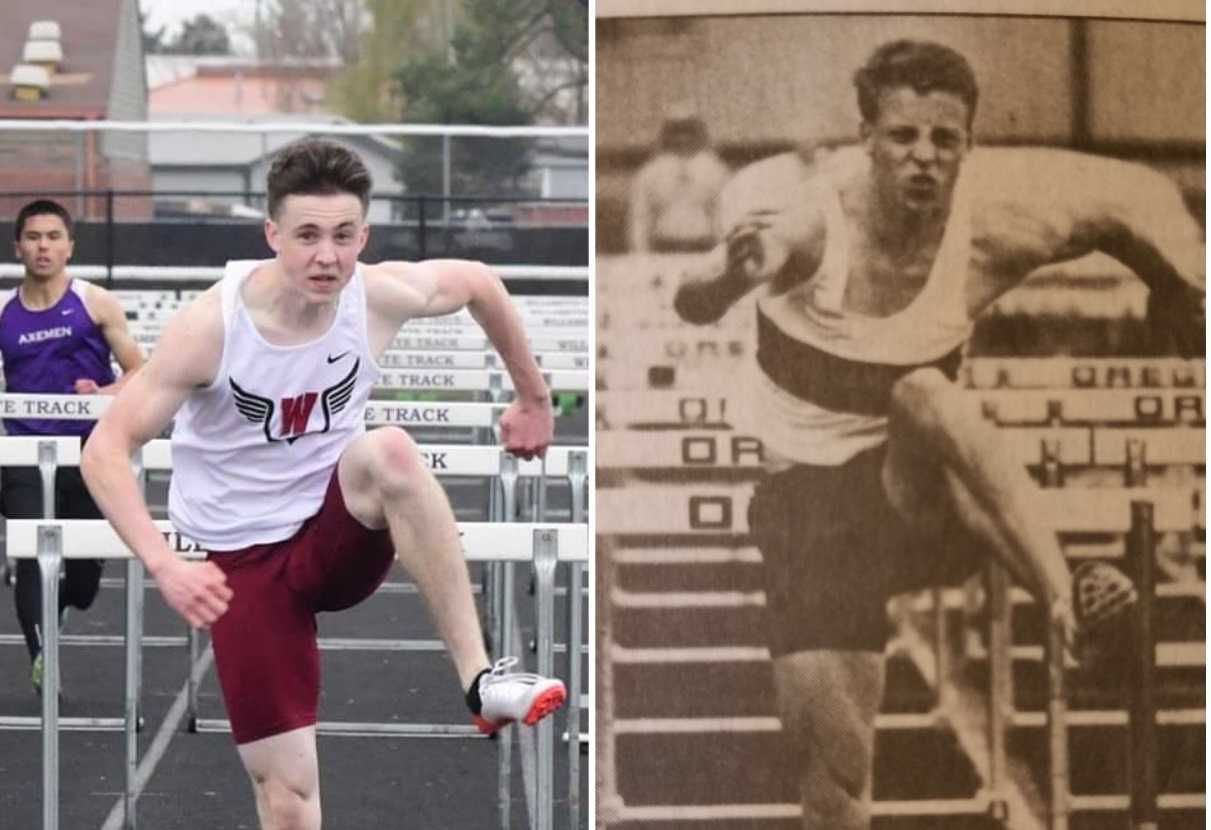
(46, 53)
(29, 82)
(45, 30)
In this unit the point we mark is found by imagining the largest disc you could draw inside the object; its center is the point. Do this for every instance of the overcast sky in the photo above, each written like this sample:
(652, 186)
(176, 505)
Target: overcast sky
(172, 13)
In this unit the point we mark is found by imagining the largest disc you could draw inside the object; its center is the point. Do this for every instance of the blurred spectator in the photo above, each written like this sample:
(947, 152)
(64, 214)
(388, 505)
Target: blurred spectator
(675, 194)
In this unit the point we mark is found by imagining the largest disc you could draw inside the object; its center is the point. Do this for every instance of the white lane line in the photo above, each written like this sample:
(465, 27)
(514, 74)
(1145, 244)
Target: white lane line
(692, 556)
(169, 728)
(693, 654)
(687, 599)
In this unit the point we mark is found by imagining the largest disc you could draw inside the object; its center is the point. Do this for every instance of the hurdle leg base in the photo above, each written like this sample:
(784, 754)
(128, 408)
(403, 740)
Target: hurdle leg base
(998, 810)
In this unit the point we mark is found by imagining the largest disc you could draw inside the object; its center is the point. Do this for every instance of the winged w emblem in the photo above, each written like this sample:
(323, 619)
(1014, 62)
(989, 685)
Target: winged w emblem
(295, 411)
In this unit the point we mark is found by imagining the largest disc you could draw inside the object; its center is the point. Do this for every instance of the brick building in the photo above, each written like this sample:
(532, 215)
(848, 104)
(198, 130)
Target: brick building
(100, 76)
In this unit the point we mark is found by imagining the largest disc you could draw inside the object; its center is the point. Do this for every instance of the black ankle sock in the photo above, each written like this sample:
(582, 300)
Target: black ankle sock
(473, 702)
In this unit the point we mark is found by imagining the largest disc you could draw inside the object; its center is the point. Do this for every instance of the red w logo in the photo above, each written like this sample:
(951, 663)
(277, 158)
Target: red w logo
(296, 412)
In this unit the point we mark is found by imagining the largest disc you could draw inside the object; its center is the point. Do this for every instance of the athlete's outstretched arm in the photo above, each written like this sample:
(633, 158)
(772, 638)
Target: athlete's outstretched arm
(713, 285)
(762, 243)
(399, 291)
(186, 357)
(1043, 206)
(1154, 235)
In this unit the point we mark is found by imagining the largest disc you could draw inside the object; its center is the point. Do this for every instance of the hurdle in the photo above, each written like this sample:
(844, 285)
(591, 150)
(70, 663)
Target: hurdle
(47, 453)
(491, 462)
(378, 412)
(52, 541)
(716, 406)
(505, 473)
(470, 380)
(690, 440)
(716, 512)
(566, 463)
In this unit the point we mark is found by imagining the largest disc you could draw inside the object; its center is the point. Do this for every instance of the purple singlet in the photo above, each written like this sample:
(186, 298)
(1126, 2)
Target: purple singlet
(46, 351)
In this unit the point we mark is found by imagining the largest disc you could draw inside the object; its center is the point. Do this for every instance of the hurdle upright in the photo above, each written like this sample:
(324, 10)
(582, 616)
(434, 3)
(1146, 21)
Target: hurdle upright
(52, 541)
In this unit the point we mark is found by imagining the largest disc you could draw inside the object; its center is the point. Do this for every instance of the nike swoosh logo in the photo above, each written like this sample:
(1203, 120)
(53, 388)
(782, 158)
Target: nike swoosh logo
(332, 359)
(67, 311)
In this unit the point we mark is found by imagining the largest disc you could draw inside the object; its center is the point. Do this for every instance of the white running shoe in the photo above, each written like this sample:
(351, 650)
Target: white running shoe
(506, 697)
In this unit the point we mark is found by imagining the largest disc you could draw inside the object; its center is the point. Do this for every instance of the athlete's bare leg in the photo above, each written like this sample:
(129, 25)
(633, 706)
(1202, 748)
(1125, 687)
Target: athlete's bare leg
(827, 701)
(386, 484)
(949, 476)
(285, 778)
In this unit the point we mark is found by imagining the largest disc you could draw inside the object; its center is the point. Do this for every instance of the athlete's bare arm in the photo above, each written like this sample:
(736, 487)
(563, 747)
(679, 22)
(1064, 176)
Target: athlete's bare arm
(1035, 207)
(110, 317)
(778, 235)
(399, 291)
(186, 357)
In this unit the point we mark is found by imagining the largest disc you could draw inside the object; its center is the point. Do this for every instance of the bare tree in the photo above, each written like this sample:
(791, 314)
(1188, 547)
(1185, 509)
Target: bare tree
(287, 29)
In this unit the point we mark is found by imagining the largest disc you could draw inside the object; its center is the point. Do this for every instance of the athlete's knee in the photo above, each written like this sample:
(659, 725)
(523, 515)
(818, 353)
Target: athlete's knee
(398, 464)
(288, 806)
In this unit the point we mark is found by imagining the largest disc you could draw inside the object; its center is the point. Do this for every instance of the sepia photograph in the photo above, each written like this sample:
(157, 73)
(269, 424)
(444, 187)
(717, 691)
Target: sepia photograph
(900, 416)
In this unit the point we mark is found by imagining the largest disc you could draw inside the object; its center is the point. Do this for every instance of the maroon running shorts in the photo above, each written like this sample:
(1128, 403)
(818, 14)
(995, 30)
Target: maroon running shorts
(265, 646)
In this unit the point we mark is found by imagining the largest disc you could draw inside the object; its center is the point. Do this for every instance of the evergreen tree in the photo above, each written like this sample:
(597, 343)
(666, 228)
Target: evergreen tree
(478, 81)
(200, 36)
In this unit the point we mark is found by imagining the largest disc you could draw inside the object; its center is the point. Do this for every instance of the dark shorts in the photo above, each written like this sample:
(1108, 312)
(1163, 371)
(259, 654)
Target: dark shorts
(835, 550)
(21, 494)
(265, 646)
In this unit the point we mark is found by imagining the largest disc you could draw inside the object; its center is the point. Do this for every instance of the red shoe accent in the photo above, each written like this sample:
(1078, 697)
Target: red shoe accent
(545, 704)
(488, 727)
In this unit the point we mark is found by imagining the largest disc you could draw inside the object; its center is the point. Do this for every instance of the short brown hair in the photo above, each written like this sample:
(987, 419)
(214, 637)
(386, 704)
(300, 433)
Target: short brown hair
(920, 65)
(315, 166)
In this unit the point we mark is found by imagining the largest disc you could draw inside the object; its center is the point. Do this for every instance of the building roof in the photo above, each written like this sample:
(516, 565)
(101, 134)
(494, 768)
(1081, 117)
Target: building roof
(166, 68)
(89, 34)
(232, 86)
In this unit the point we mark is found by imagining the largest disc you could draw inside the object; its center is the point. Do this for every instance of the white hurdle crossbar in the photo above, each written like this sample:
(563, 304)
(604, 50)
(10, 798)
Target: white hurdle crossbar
(491, 462)
(400, 413)
(51, 541)
(96, 539)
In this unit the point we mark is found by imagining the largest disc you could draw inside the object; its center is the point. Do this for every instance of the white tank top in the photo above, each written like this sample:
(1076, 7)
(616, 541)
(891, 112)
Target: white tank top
(254, 451)
(831, 417)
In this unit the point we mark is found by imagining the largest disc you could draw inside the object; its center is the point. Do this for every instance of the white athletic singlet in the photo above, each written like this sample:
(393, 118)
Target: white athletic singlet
(254, 451)
(822, 368)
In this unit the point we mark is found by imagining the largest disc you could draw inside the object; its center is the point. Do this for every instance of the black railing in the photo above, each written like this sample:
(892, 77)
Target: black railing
(196, 228)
